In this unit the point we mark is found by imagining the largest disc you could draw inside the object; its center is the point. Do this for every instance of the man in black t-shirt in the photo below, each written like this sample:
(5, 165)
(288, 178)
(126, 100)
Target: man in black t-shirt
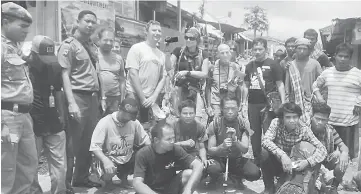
(48, 111)
(263, 76)
(154, 170)
(229, 137)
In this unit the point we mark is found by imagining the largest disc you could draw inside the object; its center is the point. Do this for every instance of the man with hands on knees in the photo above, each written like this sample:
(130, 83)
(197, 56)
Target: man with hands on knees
(155, 172)
(283, 135)
(189, 133)
(229, 138)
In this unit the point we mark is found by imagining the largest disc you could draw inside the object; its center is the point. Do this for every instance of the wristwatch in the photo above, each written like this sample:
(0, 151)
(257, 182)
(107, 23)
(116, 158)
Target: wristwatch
(189, 73)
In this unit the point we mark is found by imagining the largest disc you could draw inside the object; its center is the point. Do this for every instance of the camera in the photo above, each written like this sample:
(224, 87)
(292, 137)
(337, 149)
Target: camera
(170, 39)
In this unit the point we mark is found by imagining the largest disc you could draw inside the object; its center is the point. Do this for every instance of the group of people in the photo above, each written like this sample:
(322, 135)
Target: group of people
(86, 105)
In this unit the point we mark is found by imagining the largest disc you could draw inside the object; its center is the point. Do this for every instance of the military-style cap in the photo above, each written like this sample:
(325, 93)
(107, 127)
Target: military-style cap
(45, 48)
(15, 10)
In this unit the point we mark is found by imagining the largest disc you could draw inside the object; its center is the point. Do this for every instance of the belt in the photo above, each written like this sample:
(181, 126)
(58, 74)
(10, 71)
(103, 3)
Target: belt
(21, 108)
(86, 92)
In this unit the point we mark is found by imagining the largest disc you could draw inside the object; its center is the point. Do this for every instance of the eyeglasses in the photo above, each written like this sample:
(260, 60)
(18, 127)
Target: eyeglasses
(189, 38)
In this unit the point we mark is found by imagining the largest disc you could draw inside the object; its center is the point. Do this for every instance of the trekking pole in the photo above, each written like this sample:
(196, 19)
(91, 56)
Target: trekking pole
(225, 184)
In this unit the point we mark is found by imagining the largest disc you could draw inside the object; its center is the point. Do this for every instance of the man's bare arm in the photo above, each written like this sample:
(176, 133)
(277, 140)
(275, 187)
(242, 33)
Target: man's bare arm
(245, 91)
(281, 91)
(140, 187)
(242, 144)
(214, 150)
(197, 169)
(67, 86)
(135, 81)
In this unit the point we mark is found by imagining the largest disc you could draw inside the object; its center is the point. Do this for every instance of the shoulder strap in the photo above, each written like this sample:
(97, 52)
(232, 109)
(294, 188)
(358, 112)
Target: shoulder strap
(259, 79)
(179, 58)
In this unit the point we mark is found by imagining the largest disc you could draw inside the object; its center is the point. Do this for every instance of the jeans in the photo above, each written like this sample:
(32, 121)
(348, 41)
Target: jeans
(19, 160)
(255, 119)
(112, 104)
(241, 167)
(54, 147)
(80, 133)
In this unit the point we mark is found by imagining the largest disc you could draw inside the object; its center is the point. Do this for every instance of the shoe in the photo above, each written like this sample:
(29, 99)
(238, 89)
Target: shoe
(87, 184)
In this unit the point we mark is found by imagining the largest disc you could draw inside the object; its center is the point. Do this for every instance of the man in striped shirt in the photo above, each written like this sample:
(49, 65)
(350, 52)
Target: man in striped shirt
(344, 96)
(282, 135)
(336, 160)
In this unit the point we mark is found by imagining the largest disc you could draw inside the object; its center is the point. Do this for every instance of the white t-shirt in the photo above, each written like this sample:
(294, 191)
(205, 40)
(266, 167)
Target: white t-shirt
(117, 139)
(151, 65)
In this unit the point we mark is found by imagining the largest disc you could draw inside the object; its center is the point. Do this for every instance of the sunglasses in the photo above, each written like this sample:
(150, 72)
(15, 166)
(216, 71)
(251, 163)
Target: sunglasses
(189, 38)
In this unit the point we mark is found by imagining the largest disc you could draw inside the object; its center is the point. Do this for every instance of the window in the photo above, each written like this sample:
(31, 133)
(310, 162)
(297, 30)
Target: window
(126, 8)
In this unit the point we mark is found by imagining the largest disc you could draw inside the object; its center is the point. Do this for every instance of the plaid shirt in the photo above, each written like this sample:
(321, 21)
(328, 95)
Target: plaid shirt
(279, 141)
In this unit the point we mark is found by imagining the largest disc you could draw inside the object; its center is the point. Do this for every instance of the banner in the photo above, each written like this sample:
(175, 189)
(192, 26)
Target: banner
(128, 32)
(104, 11)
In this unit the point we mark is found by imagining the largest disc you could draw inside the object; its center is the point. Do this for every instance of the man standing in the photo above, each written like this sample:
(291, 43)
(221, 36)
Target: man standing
(111, 71)
(263, 76)
(18, 151)
(189, 133)
(290, 48)
(48, 111)
(316, 53)
(146, 71)
(155, 171)
(301, 74)
(118, 133)
(78, 57)
(283, 134)
(229, 138)
(224, 73)
(344, 96)
(336, 160)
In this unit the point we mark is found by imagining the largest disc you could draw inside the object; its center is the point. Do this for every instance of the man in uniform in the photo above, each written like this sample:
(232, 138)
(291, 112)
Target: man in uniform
(78, 57)
(18, 150)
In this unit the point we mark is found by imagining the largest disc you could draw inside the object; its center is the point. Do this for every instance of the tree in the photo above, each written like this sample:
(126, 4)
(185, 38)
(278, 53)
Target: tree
(257, 20)
(201, 9)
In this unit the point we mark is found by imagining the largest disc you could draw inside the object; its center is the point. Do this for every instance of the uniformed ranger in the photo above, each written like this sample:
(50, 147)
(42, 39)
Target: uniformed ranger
(18, 150)
(78, 57)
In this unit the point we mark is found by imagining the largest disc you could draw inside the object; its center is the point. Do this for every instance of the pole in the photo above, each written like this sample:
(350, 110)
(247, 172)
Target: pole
(179, 16)
(154, 15)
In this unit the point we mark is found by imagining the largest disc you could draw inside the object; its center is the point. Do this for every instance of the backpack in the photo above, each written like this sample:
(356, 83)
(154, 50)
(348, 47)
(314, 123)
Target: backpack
(301, 182)
(242, 126)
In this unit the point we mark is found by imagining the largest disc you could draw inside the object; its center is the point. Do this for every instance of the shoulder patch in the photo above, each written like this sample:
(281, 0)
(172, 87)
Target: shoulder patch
(69, 40)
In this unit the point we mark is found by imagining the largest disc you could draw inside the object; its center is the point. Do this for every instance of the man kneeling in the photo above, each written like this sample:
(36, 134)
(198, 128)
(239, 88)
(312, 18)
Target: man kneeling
(229, 137)
(283, 134)
(154, 170)
(336, 160)
(118, 133)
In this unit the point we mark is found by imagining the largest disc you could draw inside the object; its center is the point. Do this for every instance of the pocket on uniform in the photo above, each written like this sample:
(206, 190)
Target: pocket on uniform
(14, 68)
(81, 58)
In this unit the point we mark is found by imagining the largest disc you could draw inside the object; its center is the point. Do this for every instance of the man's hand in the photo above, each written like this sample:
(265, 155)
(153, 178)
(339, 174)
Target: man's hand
(286, 163)
(244, 111)
(187, 191)
(301, 165)
(181, 74)
(109, 166)
(5, 134)
(319, 98)
(210, 112)
(227, 143)
(189, 143)
(343, 161)
(231, 132)
(103, 104)
(207, 163)
(74, 111)
(149, 101)
(357, 110)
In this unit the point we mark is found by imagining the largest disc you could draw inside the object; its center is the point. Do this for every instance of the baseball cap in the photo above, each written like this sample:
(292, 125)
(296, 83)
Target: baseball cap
(193, 32)
(129, 105)
(15, 10)
(45, 48)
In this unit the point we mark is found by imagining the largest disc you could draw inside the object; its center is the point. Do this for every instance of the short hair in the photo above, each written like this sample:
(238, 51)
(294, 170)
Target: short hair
(289, 107)
(227, 98)
(100, 34)
(157, 129)
(7, 17)
(292, 39)
(344, 47)
(187, 103)
(86, 12)
(310, 32)
(322, 108)
(259, 41)
(151, 22)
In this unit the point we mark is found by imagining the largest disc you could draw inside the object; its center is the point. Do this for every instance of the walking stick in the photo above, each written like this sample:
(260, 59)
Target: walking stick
(225, 184)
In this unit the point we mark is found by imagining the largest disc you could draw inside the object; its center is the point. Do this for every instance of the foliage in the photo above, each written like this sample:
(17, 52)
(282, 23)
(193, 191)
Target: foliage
(201, 9)
(257, 20)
